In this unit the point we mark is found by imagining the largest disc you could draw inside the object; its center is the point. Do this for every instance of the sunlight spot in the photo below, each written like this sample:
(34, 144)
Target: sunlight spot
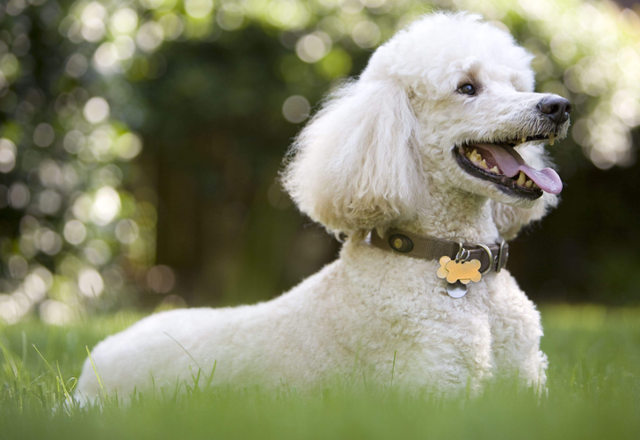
(43, 135)
(75, 232)
(96, 110)
(150, 36)
(161, 279)
(7, 155)
(90, 283)
(313, 47)
(106, 206)
(55, 312)
(124, 21)
(198, 8)
(296, 109)
(127, 231)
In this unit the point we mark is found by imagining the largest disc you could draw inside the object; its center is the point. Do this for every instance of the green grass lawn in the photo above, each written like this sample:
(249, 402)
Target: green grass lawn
(594, 392)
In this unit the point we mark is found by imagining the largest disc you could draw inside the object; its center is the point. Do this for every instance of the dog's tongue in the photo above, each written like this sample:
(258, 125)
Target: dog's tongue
(511, 163)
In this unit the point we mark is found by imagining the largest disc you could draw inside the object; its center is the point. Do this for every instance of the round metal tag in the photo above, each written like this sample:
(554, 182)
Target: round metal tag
(457, 289)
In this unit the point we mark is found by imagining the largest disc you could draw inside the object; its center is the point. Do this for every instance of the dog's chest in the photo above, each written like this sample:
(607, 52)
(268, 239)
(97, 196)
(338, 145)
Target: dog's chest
(409, 311)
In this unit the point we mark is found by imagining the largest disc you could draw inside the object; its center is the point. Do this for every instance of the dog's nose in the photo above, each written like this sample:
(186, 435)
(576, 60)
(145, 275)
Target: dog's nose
(555, 107)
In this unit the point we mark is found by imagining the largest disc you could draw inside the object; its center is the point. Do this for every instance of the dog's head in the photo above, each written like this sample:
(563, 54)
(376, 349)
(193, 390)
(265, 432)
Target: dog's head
(449, 102)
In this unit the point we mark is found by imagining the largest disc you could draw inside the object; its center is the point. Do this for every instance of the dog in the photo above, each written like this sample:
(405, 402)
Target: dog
(439, 144)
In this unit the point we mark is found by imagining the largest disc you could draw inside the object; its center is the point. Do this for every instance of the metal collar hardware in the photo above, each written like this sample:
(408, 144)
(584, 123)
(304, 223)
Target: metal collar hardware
(459, 264)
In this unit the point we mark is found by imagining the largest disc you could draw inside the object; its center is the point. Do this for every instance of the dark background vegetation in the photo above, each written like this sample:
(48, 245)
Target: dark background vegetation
(224, 235)
(213, 227)
(216, 161)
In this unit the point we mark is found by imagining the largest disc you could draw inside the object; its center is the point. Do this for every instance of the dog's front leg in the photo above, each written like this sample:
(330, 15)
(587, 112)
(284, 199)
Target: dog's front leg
(516, 331)
(453, 355)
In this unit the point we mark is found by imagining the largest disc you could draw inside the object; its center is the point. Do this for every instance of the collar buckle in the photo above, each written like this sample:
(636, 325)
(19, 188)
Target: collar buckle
(490, 255)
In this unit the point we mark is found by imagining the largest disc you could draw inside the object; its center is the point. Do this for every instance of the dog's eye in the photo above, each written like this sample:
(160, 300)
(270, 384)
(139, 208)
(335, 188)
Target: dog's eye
(467, 89)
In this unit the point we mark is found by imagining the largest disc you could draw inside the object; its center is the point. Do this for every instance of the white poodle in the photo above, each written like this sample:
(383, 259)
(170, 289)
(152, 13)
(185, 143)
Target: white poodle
(420, 146)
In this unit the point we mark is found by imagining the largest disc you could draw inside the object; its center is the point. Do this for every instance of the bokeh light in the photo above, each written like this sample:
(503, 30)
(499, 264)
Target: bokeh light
(296, 109)
(96, 110)
(90, 283)
(313, 47)
(7, 155)
(161, 279)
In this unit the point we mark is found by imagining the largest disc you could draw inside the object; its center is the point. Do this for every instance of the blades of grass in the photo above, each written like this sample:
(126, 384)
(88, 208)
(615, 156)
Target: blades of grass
(213, 370)
(59, 381)
(538, 383)
(153, 386)
(75, 382)
(10, 358)
(63, 383)
(393, 367)
(67, 396)
(355, 362)
(135, 396)
(164, 398)
(185, 350)
(43, 358)
(40, 398)
(175, 394)
(43, 374)
(197, 378)
(95, 371)
(23, 335)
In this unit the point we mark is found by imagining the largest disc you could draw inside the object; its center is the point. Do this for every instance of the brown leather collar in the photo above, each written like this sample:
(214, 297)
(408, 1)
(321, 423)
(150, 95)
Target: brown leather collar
(492, 257)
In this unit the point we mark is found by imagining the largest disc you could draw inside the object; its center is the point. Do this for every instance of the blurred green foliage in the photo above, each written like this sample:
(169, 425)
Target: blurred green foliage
(215, 91)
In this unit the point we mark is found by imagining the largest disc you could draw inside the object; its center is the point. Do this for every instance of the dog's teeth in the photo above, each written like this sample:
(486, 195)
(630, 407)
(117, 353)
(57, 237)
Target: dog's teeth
(524, 139)
(552, 139)
(483, 164)
(528, 183)
(521, 178)
(495, 170)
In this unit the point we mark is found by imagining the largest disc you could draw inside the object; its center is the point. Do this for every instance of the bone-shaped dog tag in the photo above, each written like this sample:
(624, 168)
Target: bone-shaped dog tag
(458, 275)
(464, 271)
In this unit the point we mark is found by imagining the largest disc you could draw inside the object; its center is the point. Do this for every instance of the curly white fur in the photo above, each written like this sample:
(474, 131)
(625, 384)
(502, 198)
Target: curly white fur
(378, 155)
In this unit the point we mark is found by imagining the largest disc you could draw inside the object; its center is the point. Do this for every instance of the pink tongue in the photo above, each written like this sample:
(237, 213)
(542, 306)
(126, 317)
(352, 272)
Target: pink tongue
(511, 163)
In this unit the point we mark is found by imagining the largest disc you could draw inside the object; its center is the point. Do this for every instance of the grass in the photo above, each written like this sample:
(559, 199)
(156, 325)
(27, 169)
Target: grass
(594, 393)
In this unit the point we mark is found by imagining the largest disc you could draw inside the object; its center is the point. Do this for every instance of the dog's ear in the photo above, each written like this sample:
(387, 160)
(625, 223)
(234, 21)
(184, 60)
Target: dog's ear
(511, 220)
(356, 165)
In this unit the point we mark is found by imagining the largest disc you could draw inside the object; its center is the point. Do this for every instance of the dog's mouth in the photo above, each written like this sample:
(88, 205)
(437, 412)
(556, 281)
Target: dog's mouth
(501, 164)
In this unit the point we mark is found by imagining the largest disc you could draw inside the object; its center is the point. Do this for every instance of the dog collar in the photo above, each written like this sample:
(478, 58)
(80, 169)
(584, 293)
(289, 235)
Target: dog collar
(459, 264)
